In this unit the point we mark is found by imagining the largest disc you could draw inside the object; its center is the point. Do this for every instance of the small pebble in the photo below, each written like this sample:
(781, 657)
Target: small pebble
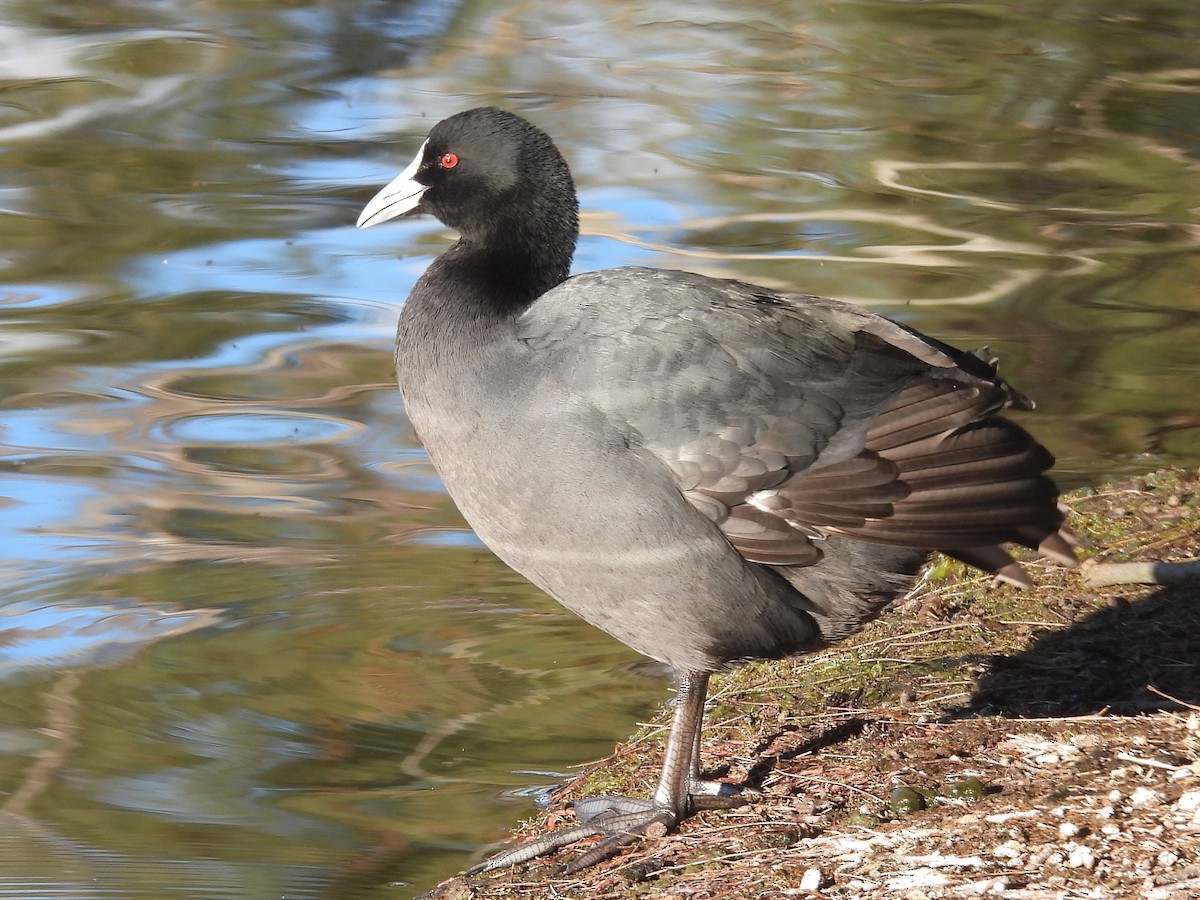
(1008, 850)
(969, 789)
(810, 880)
(905, 800)
(1189, 800)
(1168, 858)
(1068, 830)
(1043, 856)
(1144, 796)
(1081, 857)
(1000, 818)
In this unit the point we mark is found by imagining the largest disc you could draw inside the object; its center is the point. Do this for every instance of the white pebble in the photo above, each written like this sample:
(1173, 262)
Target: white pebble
(1039, 856)
(1081, 857)
(1047, 856)
(1144, 796)
(1114, 796)
(810, 880)
(1189, 800)
(1111, 830)
(1008, 850)
(1168, 858)
(1000, 818)
(1069, 829)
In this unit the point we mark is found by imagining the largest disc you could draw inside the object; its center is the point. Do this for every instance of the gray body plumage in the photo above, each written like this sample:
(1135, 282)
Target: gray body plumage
(636, 418)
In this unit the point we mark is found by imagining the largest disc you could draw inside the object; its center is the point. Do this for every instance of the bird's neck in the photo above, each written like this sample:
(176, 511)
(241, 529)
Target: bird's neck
(496, 279)
(469, 298)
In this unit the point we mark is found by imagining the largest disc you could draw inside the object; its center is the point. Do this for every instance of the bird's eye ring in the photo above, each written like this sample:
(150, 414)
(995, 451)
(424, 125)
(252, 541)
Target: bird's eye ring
(448, 160)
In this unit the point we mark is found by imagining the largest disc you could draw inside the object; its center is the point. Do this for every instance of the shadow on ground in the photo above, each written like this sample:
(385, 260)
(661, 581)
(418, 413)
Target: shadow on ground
(1128, 658)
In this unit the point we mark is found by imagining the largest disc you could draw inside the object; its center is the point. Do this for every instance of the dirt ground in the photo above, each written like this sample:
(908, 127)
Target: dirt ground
(975, 741)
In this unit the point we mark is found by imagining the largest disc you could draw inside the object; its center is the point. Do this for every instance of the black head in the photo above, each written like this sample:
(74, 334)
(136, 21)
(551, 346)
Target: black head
(496, 179)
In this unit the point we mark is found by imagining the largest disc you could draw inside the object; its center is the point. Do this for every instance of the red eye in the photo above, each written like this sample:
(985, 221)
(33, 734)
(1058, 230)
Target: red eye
(448, 160)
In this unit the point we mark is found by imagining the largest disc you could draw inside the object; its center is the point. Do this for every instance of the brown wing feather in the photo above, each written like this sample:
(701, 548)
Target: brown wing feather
(939, 470)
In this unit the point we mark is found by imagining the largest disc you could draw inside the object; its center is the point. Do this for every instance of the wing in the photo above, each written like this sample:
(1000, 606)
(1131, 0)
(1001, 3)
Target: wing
(784, 417)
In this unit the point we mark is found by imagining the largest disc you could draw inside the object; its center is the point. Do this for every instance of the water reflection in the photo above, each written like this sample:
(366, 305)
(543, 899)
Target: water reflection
(248, 648)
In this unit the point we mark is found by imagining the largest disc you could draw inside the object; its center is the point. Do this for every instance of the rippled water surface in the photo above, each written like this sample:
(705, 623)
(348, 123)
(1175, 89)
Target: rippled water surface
(247, 647)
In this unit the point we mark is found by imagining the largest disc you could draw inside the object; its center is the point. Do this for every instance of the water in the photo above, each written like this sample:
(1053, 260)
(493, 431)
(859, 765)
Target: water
(248, 649)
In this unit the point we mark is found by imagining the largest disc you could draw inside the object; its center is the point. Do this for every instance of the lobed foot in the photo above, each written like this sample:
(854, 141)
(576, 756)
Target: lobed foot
(619, 821)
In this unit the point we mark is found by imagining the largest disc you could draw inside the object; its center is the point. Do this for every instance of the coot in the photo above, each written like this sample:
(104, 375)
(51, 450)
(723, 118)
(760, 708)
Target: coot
(709, 471)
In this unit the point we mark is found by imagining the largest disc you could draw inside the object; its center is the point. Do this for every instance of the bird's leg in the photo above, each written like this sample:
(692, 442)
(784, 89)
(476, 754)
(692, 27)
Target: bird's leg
(702, 793)
(622, 820)
(681, 761)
